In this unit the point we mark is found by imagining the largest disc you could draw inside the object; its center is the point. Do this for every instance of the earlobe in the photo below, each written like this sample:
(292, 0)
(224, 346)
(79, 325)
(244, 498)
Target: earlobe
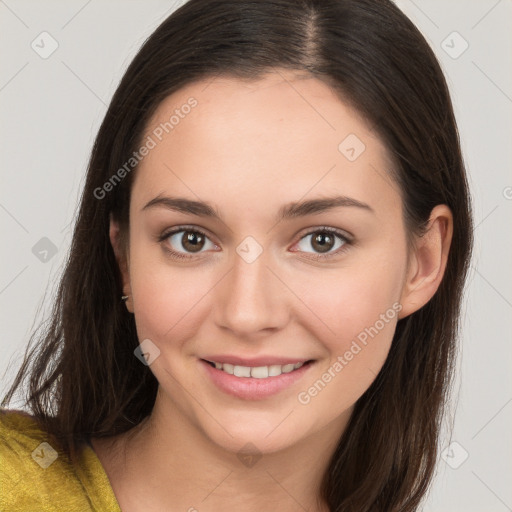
(428, 261)
(123, 262)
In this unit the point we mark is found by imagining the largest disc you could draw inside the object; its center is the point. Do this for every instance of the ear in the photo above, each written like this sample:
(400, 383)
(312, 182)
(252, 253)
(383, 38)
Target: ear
(122, 258)
(428, 261)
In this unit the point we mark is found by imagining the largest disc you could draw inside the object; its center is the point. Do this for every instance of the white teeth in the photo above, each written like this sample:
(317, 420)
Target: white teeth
(274, 370)
(257, 372)
(228, 368)
(242, 371)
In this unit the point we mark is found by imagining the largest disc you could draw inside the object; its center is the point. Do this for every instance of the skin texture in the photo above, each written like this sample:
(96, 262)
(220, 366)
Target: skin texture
(249, 149)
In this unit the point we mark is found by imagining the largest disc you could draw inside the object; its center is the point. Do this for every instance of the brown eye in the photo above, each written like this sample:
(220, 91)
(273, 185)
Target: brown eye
(325, 242)
(184, 243)
(192, 241)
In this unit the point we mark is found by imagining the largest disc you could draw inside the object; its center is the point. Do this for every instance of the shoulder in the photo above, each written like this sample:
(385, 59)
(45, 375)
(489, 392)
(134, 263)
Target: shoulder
(21, 442)
(23, 445)
(35, 474)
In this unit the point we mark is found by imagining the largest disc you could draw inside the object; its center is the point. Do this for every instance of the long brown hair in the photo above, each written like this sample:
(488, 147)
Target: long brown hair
(83, 377)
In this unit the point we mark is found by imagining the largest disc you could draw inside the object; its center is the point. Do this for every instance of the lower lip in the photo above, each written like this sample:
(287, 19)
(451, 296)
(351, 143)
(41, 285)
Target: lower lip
(249, 388)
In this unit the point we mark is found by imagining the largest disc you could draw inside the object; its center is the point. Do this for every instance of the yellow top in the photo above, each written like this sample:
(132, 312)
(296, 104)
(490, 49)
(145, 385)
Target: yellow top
(37, 477)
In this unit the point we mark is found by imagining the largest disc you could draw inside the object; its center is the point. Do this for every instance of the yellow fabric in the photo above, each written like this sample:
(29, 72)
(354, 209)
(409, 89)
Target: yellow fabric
(26, 485)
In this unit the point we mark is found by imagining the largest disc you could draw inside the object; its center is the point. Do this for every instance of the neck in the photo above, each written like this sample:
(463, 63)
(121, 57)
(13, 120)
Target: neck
(184, 467)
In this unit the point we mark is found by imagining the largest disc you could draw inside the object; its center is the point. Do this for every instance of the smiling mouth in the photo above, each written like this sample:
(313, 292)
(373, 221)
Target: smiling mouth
(257, 372)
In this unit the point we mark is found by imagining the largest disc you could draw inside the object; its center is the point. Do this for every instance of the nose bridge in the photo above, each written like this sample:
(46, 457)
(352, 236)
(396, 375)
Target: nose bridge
(252, 297)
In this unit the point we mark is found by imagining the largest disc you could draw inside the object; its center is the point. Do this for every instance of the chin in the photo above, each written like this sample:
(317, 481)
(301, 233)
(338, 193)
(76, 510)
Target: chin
(258, 436)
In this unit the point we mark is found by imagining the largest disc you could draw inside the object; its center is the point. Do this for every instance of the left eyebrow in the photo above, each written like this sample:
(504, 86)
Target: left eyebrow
(315, 206)
(287, 211)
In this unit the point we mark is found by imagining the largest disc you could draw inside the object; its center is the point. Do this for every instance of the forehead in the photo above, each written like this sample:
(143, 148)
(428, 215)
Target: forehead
(283, 135)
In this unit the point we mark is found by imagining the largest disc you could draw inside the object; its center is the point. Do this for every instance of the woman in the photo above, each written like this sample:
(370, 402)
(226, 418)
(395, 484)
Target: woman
(261, 304)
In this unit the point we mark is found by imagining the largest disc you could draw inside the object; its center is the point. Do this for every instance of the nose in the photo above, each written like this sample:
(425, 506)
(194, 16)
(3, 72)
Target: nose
(252, 299)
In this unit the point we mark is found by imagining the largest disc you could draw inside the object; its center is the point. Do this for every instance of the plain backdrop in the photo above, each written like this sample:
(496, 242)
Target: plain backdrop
(51, 109)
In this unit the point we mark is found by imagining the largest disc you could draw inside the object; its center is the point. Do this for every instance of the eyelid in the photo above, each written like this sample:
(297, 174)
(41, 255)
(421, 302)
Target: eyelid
(306, 231)
(176, 229)
(347, 238)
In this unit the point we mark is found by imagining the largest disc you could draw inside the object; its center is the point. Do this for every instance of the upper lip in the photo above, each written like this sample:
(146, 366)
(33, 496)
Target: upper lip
(256, 361)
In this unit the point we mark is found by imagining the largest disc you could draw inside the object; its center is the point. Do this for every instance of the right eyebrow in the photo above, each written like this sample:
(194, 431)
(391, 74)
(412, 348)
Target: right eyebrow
(287, 211)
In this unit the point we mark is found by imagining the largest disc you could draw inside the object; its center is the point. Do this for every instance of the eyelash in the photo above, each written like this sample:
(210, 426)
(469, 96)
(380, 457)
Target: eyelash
(324, 229)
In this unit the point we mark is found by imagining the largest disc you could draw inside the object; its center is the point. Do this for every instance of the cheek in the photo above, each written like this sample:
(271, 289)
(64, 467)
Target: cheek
(358, 309)
(167, 299)
(352, 299)
(167, 296)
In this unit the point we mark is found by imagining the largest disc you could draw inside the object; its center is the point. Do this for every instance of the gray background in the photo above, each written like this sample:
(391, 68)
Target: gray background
(51, 109)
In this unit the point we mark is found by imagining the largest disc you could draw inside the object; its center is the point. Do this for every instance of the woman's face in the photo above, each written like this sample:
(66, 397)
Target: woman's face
(260, 282)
